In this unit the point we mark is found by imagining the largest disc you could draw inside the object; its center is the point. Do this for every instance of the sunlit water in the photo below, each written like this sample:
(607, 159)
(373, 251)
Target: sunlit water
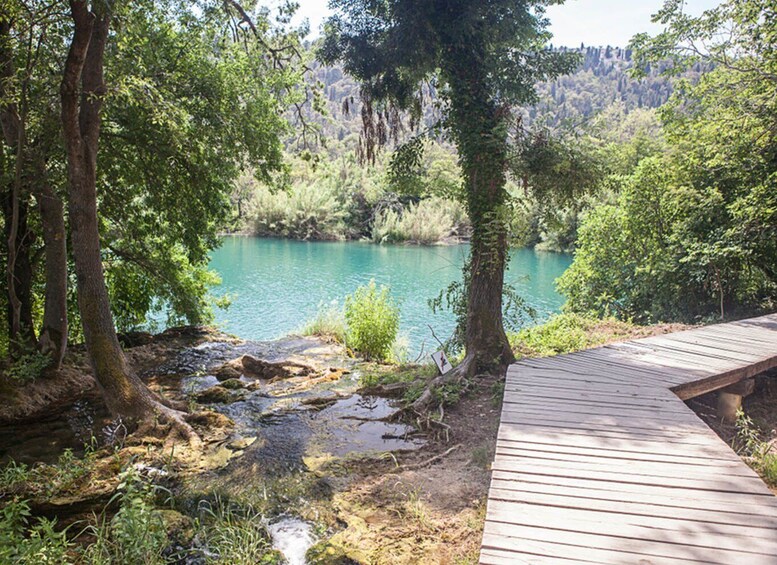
(277, 285)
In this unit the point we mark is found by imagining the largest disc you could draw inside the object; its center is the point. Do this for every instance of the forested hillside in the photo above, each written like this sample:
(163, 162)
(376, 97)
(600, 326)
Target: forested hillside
(329, 193)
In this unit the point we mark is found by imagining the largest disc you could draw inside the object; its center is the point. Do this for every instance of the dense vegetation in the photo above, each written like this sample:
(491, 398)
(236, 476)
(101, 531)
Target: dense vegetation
(690, 229)
(327, 193)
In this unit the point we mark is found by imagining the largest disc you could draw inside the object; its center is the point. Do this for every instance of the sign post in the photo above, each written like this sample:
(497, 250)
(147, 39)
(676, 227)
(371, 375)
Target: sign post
(441, 360)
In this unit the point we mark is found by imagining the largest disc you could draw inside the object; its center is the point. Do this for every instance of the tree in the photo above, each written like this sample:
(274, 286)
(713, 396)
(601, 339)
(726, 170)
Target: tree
(483, 58)
(82, 92)
(30, 133)
(694, 231)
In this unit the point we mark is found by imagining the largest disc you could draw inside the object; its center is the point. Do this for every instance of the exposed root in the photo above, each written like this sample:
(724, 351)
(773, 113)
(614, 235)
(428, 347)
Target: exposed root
(428, 399)
(429, 461)
(177, 428)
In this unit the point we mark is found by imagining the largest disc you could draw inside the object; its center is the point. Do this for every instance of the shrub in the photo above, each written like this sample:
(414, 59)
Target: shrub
(372, 318)
(29, 367)
(136, 533)
(306, 211)
(329, 323)
(430, 221)
(39, 545)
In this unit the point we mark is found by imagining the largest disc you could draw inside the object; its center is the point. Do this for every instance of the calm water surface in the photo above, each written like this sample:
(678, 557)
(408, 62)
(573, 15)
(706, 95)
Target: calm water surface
(276, 285)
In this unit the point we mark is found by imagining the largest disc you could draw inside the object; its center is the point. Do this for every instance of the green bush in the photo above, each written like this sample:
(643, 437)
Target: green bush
(29, 367)
(21, 544)
(428, 222)
(136, 533)
(305, 211)
(372, 318)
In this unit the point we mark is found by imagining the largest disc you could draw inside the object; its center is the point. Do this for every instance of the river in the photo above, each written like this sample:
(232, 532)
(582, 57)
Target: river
(277, 285)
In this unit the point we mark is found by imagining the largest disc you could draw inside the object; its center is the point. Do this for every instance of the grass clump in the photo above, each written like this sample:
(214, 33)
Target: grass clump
(372, 319)
(565, 333)
(329, 324)
(136, 533)
(235, 535)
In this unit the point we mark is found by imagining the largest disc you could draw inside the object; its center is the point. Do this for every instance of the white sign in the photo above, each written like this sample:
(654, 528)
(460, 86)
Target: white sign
(442, 362)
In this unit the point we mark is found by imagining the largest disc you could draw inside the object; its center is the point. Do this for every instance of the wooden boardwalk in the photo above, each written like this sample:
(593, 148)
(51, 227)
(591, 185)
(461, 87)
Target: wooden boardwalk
(599, 460)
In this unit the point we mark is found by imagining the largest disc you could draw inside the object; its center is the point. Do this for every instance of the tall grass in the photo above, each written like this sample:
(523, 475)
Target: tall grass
(306, 211)
(329, 323)
(427, 222)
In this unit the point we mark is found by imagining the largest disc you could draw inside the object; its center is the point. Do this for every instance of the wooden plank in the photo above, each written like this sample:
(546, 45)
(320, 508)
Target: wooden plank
(702, 454)
(607, 549)
(748, 523)
(694, 532)
(524, 550)
(763, 502)
(756, 514)
(652, 471)
(652, 478)
(656, 454)
(599, 461)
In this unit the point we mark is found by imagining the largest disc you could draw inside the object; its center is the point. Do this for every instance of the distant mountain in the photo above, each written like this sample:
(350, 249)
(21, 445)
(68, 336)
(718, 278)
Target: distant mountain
(601, 79)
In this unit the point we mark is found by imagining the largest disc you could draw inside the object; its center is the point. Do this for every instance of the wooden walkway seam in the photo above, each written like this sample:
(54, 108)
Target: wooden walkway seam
(599, 460)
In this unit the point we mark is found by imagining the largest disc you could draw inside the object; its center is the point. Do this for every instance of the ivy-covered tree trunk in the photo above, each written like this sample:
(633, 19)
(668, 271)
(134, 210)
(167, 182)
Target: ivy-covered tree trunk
(125, 394)
(480, 131)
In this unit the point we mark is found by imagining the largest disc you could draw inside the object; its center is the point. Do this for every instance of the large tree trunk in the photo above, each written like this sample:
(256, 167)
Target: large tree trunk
(125, 394)
(54, 330)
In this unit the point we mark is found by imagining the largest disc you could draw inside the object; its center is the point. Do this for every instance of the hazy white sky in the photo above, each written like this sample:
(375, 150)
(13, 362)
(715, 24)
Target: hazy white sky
(593, 22)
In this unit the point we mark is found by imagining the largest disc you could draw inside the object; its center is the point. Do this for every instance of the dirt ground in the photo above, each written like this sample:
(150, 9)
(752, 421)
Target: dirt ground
(427, 506)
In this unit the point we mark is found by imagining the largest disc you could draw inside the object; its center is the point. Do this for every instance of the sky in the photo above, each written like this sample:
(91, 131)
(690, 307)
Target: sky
(593, 22)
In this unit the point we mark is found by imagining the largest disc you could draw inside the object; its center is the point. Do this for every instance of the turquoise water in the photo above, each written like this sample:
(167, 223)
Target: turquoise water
(276, 285)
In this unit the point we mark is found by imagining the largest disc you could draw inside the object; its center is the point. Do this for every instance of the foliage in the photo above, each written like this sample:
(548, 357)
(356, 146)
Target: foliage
(329, 323)
(760, 454)
(427, 222)
(136, 533)
(305, 212)
(566, 333)
(692, 233)
(29, 367)
(238, 536)
(372, 318)
(38, 544)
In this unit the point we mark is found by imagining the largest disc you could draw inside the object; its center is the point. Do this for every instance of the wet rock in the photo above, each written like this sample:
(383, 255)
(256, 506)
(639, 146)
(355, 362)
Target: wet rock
(216, 395)
(229, 371)
(241, 443)
(210, 420)
(256, 368)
